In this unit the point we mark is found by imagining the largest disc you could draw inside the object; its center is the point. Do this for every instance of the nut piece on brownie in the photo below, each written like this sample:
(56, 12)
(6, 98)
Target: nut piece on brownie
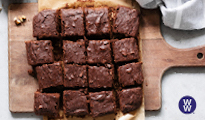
(130, 99)
(49, 75)
(75, 76)
(125, 50)
(75, 103)
(46, 104)
(130, 74)
(126, 21)
(39, 52)
(102, 103)
(72, 24)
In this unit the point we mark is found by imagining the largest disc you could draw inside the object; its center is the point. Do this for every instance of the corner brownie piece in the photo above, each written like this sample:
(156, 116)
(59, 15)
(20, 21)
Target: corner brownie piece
(99, 51)
(130, 74)
(97, 21)
(125, 50)
(130, 99)
(75, 76)
(126, 21)
(72, 22)
(49, 75)
(102, 103)
(74, 103)
(100, 77)
(39, 52)
(46, 104)
(74, 52)
(46, 24)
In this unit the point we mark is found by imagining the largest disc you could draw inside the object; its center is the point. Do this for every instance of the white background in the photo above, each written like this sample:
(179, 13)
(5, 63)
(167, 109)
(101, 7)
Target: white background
(176, 82)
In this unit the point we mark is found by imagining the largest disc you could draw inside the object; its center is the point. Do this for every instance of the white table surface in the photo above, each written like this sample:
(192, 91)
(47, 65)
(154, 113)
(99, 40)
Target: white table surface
(176, 82)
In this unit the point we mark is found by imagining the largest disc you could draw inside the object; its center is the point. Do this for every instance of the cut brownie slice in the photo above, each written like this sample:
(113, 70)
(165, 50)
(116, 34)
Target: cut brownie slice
(72, 22)
(99, 52)
(74, 103)
(46, 104)
(102, 103)
(39, 52)
(46, 24)
(130, 74)
(130, 99)
(126, 21)
(75, 76)
(125, 50)
(100, 77)
(97, 21)
(49, 75)
(74, 52)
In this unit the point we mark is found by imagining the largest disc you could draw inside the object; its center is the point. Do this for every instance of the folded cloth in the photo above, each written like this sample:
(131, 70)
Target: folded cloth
(179, 14)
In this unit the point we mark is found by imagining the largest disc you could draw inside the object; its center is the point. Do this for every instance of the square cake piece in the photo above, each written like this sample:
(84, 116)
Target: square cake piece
(74, 52)
(102, 103)
(130, 74)
(75, 76)
(72, 22)
(100, 77)
(49, 75)
(126, 21)
(39, 52)
(97, 21)
(99, 51)
(47, 104)
(75, 103)
(125, 50)
(46, 24)
(130, 99)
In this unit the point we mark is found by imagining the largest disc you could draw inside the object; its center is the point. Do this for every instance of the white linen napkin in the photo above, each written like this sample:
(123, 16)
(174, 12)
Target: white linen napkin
(179, 14)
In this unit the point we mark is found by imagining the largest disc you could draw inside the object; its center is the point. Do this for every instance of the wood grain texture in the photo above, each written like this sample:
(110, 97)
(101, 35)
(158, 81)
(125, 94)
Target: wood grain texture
(158, 56)
(21, 85)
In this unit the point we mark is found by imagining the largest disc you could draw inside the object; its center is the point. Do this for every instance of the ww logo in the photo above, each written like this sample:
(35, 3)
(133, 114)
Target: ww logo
(187, 104)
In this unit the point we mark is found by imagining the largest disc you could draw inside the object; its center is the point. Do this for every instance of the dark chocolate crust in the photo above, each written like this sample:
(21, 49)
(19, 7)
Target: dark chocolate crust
(72, 22)
(97, 21)
(75, 76)
(39, 52)
(46, 24)
(125, 50)
(130, 74)
(130, 99)
(99, 51)
(100, 77)
(102, 103)
(49, 75)
(74, 103)
(126, 21)
(46, 104)
(74, 52)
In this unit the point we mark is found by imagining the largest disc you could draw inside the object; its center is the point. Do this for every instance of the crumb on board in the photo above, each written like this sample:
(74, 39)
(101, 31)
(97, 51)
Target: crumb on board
(20, 19)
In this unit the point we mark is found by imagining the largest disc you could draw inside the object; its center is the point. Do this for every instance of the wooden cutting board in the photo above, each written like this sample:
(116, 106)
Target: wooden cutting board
(157, 57)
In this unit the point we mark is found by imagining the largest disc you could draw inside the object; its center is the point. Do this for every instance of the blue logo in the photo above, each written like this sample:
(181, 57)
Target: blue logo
(187, 104)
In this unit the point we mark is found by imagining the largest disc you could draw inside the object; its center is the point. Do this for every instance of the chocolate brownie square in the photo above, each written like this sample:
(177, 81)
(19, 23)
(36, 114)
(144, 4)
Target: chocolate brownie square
(39, 52)
(75, 76)
(130, 99)
(126, 21)
(97, 21)
(102, 103)
(46, 104)
(49, 75)
(130, 74)
(125, 50)
(100, 77)
(74, 103)
(99, 51)
(74, 52)
(72, 22)
(46, 24)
